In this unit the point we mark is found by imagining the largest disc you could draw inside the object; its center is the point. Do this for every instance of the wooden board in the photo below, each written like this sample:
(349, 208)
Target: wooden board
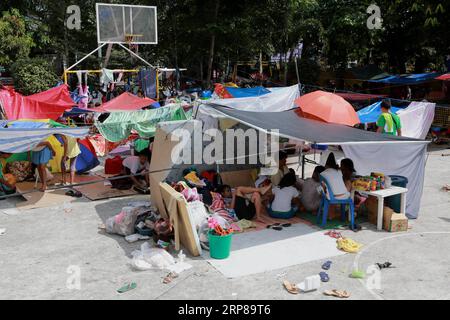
(176, 208)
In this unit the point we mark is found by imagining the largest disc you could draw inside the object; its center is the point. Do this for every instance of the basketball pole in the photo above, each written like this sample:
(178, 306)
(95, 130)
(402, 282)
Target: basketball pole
(78, 62)
(137, 56)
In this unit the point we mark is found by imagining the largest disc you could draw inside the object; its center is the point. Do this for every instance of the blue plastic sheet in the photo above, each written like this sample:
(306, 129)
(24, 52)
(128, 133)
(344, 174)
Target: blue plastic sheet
(371, 113)
(247, 92)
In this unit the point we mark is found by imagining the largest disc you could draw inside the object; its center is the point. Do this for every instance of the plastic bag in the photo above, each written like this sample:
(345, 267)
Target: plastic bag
(151, 258)
(123, 223)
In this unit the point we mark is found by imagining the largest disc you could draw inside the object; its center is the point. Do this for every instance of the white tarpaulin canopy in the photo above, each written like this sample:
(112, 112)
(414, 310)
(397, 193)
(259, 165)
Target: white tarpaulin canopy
(371, 152)
(279, 99)
(417, 119)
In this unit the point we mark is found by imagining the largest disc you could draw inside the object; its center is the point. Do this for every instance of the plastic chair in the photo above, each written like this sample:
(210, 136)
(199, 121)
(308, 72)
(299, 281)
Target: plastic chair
(325, 205)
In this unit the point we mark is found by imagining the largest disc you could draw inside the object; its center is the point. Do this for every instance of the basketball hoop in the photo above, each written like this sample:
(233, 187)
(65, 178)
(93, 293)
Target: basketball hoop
(132, 40)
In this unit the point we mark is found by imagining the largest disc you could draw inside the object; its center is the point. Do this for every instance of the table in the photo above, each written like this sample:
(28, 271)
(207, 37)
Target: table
(380, 195)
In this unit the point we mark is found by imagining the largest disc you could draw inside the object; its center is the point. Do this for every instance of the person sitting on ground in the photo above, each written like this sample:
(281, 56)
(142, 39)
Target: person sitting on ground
(335, 179)
(312, 191)
(135, 165)
(282, 168)
(221, 203)
(285, 197)
(348, 172)
(247, 203)
(41, 155)
(7, 181)
(388, 122)
(70, 155)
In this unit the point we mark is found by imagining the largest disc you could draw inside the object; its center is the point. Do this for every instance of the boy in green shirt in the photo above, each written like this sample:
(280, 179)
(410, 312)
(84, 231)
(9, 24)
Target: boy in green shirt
(388, 122)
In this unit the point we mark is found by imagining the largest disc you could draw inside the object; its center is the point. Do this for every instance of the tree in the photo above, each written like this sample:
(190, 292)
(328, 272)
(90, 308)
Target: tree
(33, 76)
(16, 42)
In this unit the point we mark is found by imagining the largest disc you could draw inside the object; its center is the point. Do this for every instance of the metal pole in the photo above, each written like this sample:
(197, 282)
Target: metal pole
(88, 55)
(137, 56)
(296, 70)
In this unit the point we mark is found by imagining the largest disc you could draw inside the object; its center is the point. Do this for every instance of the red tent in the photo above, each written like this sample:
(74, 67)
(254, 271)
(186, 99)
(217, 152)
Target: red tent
(49, 104)
(359, 96)
(125, 102)
(445, 77)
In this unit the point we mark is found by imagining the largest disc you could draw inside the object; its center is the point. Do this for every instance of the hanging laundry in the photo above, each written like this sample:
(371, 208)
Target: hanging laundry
(147, 81)
(106, 78)
(83, 92)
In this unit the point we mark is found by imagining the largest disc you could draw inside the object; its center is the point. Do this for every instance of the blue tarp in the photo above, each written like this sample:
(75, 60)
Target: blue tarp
(371, 113)
(23, 140)
(76, 112)
(28, 125)
(408, 79)
(247, 92)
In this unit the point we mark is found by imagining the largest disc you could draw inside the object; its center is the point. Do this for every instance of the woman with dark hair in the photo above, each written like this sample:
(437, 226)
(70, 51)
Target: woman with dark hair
(285, 198)
(348, 171)
(334, 177)
(331, 162)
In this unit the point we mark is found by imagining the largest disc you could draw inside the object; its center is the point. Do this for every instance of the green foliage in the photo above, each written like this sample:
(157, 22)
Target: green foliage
(33, 76)
(15, 41)
(415, 34)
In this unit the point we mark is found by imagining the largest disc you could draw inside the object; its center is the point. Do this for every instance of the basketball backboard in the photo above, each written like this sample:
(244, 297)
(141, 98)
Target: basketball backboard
(126, 24)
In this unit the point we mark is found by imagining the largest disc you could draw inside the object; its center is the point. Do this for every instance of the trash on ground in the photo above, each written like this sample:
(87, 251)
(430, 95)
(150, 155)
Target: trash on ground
(151, 258)
(386, 265)
(136, 237)
(311, 283)
(2, 231)
(358, 274)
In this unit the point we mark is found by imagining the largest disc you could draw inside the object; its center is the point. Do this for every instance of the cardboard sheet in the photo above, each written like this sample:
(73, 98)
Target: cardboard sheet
(51, 198)
(98, 191)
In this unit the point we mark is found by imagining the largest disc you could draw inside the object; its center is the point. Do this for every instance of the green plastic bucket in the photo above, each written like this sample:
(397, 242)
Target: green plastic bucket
(219, 246)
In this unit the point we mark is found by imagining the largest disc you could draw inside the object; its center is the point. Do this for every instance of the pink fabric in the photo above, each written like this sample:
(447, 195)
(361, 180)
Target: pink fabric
(119, 218)
(49, 104)
(125, 102)
(218, 202)
(83, 92)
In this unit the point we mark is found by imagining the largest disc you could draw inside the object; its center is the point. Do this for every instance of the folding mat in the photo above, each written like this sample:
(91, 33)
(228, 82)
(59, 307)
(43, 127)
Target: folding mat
(267, 250)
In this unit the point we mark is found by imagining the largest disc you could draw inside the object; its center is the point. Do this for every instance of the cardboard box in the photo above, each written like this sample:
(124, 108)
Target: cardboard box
(396, 223)
(387, 216)
(372, 209)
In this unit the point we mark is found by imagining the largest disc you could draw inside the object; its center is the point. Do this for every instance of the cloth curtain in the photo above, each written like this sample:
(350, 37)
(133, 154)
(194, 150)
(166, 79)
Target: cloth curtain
(417, 119)
(406, 160)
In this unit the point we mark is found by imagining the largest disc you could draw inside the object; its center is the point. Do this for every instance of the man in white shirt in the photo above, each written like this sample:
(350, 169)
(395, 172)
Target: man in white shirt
(134, 165)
